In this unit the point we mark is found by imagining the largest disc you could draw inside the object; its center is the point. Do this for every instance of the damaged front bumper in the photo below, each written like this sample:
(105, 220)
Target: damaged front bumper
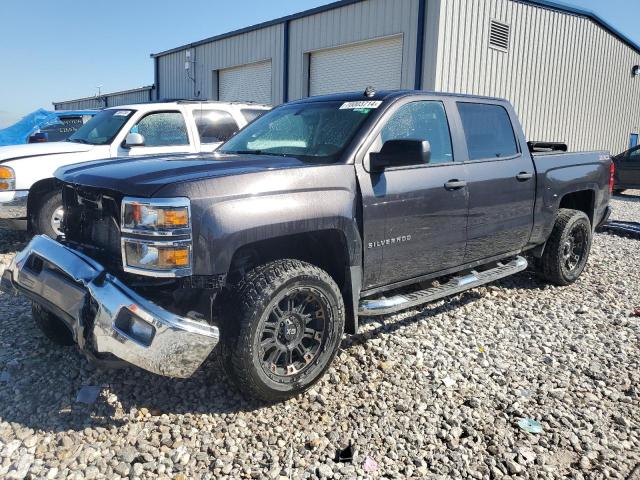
(106, 316)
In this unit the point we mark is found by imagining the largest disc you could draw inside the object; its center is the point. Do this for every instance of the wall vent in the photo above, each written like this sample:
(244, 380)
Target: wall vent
(499, 36)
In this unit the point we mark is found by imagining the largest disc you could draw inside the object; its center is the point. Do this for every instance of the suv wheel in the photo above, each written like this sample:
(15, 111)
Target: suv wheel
(48, 217)
(282, 330)
(52, 327)
(567, 250)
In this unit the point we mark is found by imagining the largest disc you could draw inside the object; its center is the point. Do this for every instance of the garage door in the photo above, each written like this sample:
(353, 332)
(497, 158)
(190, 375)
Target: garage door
(353, 68)
(248, 83)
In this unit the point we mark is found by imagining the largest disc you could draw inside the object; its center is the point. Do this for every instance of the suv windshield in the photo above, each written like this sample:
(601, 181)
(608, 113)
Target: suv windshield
(102, 128)
(312, 131)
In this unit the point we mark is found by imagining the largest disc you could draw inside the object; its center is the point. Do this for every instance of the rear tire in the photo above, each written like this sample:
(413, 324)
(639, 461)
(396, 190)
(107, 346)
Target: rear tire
(282, 329)
(52, 327)
(48, 215)
(567, 251)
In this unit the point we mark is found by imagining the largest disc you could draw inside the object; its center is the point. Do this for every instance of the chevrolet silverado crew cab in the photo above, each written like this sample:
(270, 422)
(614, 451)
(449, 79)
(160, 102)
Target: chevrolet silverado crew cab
(28, 195)
(321, 211)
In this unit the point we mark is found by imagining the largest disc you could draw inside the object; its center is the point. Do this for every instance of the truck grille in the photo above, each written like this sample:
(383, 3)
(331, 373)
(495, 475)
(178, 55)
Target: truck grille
(92, 224)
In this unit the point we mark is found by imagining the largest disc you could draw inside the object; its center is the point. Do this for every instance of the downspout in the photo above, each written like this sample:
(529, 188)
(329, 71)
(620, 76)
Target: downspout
(156, 76)
(285, 67)
(422, 9)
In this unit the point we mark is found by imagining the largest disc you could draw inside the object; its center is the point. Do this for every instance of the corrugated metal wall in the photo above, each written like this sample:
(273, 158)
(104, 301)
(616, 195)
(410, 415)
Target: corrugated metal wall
(568, 78)
(251, 47)
(138, 95)
(80, 104)
(350, 24)
(135, 96)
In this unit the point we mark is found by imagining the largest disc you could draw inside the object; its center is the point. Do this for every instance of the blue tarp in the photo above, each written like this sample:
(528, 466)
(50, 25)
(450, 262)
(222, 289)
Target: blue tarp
(18, 133)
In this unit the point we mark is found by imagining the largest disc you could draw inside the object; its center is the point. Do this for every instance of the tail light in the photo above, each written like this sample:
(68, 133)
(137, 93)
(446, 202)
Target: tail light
(612, 175)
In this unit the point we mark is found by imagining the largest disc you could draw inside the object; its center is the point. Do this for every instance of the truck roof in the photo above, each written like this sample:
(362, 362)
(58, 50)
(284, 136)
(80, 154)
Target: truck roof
(383, 95)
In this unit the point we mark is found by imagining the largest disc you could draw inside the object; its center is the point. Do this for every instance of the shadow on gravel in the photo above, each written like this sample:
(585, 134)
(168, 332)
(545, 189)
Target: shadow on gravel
(523, 281)
(45, 379)
(127, 395)
(12, 241)
(627, 197)
(40, 382)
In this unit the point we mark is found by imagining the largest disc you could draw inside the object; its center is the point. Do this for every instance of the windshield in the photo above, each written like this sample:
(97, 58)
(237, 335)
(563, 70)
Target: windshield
(312, 131)
(102, 128)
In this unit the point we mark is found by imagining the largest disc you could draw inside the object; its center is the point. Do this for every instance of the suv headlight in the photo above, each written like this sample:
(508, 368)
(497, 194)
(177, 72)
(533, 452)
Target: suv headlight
(156, 236)
(7, 178)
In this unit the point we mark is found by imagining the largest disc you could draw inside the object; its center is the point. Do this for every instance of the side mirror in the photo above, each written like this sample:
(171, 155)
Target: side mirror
(134, 140)
(39, 137)
(400, 153)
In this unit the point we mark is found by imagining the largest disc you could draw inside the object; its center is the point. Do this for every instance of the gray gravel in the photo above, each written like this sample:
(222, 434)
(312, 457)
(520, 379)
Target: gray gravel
(436, 393)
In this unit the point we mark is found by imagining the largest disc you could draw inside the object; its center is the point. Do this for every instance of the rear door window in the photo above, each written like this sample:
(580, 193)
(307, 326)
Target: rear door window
(488, 131)
(250, 114)
(214, 126)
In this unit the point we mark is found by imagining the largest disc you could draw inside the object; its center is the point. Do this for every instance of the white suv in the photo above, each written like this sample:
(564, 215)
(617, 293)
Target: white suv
(28, 193)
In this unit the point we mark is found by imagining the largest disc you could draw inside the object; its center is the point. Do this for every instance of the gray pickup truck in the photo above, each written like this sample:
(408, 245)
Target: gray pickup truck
(320, 212)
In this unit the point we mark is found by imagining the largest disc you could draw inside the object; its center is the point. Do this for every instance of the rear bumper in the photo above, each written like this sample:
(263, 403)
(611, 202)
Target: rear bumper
(13, 209)
(99, 309)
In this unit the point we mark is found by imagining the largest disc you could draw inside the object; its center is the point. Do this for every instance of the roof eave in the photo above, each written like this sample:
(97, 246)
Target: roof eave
(554, 5)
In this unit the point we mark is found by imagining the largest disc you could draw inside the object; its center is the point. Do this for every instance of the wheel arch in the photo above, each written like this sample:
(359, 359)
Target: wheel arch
(329, 249)
(36, 192)
(581, 200)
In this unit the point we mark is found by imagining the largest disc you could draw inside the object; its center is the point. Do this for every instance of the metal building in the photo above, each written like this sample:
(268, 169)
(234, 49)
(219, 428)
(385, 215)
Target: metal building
(136, 95)
(571, 76)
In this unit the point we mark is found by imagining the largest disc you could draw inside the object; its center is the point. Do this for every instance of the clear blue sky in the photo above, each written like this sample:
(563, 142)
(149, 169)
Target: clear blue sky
(62, 49)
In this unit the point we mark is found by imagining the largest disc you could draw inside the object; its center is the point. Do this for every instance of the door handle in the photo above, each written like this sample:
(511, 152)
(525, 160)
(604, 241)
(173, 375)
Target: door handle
(524, 176)
(455, 184)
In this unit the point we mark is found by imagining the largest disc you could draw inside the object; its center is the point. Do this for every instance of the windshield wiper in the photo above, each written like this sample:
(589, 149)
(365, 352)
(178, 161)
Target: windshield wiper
(78, 140)
(244, 152)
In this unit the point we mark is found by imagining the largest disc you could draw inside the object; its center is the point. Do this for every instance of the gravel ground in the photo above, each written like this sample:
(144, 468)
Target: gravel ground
(432, 393)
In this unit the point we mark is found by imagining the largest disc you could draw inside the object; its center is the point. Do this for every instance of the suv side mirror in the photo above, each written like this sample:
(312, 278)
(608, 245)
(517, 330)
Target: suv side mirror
(400, 153)
(134, 140)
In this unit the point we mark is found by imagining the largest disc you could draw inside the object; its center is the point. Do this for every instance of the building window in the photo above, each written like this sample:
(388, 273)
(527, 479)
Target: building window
(499, 36)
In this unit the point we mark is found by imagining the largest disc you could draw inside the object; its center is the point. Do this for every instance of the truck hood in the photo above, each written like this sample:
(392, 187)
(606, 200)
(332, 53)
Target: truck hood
(143, 176)
(15, 152)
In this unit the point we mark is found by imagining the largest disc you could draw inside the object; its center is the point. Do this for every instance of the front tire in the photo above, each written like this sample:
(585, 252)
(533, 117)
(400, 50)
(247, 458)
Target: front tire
(48, 217)
(567, 251)
(51, 326)
(282, 330)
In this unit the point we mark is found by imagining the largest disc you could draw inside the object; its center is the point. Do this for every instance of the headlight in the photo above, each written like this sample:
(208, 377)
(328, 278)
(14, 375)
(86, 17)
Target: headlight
(164, 216)
(156, 236)
(157, 256)
(7, 178)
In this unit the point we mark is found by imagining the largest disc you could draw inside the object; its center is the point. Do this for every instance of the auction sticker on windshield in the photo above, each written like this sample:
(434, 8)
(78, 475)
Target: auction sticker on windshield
(361, 104)
(122, 113)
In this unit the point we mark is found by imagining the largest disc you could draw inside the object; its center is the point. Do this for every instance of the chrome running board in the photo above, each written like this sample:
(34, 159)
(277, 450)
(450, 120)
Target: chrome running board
(386, 306)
